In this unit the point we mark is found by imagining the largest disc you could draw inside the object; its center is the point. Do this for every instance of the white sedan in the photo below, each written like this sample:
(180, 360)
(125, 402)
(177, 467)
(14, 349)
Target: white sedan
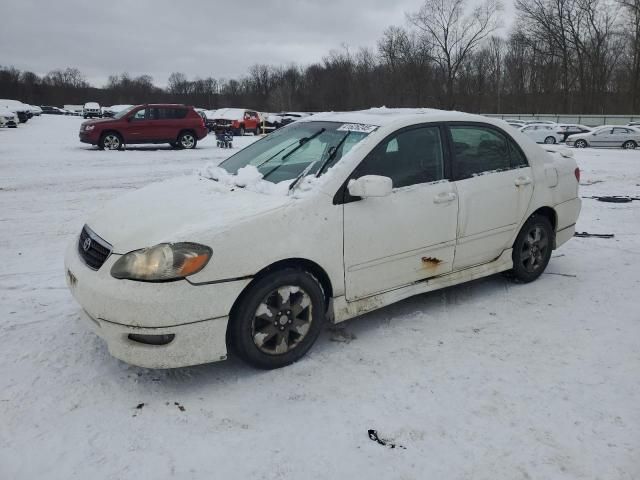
(8, 118)
(607, 136)
(325, 219)
(543, 133)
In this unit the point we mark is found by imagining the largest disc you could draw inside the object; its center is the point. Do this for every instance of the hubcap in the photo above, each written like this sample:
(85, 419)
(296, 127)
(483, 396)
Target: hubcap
(549, 140)
(534, 249)
(282, 320)
(111, 142)
(187, 141)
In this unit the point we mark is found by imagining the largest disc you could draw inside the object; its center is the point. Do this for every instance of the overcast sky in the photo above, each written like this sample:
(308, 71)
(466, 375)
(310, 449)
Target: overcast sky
(199, 38)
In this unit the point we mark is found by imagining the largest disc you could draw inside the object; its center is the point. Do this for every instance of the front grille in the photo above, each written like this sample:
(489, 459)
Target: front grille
(93, 249)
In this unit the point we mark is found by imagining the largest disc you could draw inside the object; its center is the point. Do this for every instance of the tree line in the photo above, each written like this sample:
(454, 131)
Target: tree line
(560, 56)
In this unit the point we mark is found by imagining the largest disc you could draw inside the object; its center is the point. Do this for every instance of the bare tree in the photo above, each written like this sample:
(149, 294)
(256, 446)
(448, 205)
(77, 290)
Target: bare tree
(453, 35)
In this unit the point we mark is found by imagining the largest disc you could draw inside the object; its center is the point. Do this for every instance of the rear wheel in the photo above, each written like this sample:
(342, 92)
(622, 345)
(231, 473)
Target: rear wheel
(629, 145)
(532, 249)
(278, 319)
(110, 141)
(581, 144)
(550, 140)
(187, 140)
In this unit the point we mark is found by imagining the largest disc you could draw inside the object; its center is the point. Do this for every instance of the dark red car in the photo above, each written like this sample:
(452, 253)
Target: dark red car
(178, 125)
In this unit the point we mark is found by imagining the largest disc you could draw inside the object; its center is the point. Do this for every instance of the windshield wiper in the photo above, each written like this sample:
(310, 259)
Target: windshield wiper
(301, 143)
(331, 156)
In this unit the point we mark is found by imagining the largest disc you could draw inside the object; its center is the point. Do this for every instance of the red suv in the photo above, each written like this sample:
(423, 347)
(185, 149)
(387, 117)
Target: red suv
(178, 125)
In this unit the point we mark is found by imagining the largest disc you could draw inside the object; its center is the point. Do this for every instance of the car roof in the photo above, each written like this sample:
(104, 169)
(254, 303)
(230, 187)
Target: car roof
(386, 116)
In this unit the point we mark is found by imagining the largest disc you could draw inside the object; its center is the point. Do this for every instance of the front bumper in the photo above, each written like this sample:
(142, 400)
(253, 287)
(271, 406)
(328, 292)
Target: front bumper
(90, 137)
(196, 315)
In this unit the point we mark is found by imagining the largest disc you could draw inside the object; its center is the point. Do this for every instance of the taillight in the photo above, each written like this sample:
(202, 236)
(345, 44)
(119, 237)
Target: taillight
(577, 173)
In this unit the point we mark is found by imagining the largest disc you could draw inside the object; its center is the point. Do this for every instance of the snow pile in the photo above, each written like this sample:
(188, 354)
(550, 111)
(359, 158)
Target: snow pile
(248, 178)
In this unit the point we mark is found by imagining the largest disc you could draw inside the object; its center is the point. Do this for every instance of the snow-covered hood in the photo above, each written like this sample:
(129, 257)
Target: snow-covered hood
(190, 208)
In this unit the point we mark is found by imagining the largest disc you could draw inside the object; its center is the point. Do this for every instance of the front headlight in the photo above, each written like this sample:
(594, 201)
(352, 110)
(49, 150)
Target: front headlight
(88, 128)
(164, 262)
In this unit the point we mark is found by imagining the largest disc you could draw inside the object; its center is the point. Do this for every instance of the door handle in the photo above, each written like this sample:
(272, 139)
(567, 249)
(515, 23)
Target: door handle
(520, 181)
(445, 197)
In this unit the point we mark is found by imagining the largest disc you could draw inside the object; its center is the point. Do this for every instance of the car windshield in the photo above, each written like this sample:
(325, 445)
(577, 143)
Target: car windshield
(122, 113)
(300, 148)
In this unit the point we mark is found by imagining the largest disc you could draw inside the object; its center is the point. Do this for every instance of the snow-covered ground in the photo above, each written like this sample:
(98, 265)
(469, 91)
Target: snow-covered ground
(488, 380)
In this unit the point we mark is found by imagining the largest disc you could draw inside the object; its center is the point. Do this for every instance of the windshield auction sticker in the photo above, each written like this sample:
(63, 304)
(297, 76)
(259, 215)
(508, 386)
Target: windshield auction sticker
(356, 127)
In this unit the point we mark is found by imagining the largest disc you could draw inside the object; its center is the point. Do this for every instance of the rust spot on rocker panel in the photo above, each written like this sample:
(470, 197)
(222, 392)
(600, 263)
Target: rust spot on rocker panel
(431, 262)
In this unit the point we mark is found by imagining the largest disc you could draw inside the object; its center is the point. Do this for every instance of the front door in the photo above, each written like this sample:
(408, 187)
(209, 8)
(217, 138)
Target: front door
(409, 235)
(138, 127)
(494, 184)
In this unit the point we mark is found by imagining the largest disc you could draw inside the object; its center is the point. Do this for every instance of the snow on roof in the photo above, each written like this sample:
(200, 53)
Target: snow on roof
(384, 116)
(91, 105)
(230, 113)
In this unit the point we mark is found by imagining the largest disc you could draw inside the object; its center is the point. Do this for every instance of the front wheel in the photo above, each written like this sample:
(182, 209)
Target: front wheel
(110, 141)
(187, 140)
(278, 319)
(532, 249)
(629, 145)
(581, 144)
(550, 140)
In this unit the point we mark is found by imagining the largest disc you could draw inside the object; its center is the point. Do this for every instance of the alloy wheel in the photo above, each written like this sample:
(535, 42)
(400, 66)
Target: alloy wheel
(111, 142)
(534, 249)
(187, 140)
(282, 320)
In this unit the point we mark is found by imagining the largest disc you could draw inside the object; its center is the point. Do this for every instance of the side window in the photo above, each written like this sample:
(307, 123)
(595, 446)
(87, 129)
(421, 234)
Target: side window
(620, 130)
(178, 113)
(139, 115)
(408, 158)
(478, 150)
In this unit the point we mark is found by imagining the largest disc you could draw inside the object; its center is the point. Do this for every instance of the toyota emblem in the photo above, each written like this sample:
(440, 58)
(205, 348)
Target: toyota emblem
(86, 245)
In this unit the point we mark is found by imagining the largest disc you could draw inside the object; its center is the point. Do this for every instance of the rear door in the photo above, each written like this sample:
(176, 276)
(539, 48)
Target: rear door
(409, 235)
(619, 136)
(494, 185)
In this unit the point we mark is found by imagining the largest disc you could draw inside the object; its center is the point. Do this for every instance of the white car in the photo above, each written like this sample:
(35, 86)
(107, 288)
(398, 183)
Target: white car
(330, 217)
(22, 110)
(8, 118)
(607, 136)
(91, 110)
(543, 133)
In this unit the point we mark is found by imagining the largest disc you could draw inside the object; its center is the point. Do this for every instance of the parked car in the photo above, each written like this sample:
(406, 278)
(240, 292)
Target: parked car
(633, 124)
(607, 136)
(8, 118)
(566, 129)
(178, 125)
(208, 116)
(273, 121)
(542, 133)
(325, 219)
(35, 110)
(50, 110)
(22, 110)
(239, 120)
(91, 110)
(540, 122)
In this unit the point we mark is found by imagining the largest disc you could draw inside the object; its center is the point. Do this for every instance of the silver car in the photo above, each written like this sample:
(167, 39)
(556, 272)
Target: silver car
(607, 136)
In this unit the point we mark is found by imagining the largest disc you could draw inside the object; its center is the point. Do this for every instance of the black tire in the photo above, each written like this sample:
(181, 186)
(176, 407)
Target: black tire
(247, 327)
(629, 145)
(532, 249)
(550, 140)
(581, 144)
(110, 141)
(257, 132)
(187, 140)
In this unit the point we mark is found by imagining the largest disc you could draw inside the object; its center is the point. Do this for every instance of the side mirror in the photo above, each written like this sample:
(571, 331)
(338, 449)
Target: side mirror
(370, 186)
